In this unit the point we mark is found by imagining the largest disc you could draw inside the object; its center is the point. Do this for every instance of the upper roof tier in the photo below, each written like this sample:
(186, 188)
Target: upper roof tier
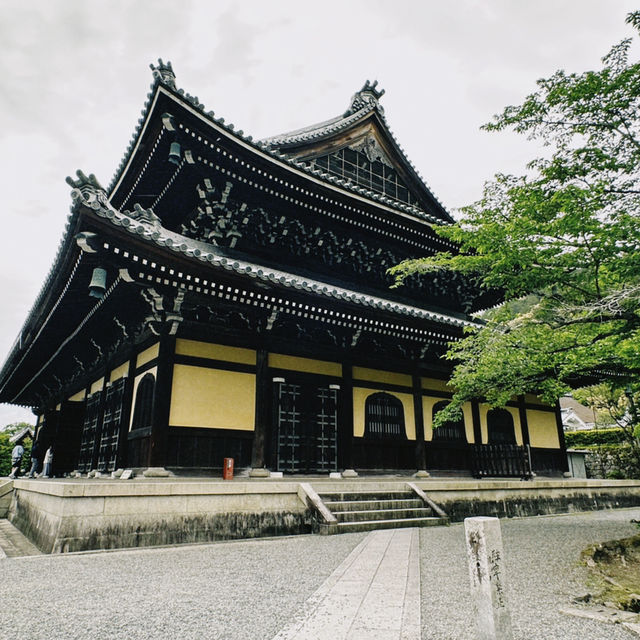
(355, 153)
(359, 146)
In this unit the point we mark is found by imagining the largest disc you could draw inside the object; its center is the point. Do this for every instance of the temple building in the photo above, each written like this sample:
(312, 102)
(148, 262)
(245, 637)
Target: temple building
(227, 297)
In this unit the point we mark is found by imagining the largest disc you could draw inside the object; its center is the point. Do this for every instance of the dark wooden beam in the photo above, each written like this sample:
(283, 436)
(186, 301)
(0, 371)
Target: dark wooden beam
(561, 440)
(162, 402)
(475, 418)
(262, 429)
(421, 453)
(524, 422)
(345, 418)
(127, 408)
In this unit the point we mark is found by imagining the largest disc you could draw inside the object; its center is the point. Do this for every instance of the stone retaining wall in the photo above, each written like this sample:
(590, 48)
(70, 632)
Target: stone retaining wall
(76, 516)
(507, 499)
(6, 492)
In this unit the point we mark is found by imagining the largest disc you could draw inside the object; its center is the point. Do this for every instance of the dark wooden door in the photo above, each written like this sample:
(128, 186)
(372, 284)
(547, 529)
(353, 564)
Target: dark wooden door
(90, 431)
(305, 427)
(111, 426)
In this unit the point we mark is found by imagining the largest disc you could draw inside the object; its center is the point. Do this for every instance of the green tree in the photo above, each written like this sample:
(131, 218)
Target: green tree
(6, 447)
(619, 406)
(561, 242)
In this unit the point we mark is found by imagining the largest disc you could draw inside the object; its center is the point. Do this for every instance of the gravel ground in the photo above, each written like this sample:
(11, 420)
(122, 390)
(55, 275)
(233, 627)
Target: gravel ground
(542, 573)
(249, 590)
(234, 590)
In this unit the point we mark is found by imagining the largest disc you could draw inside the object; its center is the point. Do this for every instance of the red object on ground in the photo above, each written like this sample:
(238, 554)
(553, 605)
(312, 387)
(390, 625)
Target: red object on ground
(227, 469)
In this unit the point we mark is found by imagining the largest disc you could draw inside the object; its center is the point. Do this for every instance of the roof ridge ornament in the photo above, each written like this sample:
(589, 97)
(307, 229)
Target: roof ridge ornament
(87, 191)
(163, 73)
(367, 97)
(147, 216)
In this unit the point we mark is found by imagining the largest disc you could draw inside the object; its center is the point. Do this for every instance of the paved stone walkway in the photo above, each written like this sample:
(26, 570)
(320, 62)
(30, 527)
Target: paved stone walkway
(374, 593)
(13, 544)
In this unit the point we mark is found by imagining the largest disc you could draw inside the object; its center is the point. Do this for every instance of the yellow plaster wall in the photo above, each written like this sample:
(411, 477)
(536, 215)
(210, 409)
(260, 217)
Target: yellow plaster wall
(427, 412)
(386, 377)
(58, 407)
(307, 365)
(435, 385)
(97, 385)
(215, 351)
(212, 398)
(148, 355)
(78, 397)
(485, 408)
(119, 372)
(360, 396)
(543, 429)
(468, 421)
(136, 382)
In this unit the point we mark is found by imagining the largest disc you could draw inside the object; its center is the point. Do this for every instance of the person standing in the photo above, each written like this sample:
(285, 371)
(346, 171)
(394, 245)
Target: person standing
(16, 459)
(36, 457)
(48, 461)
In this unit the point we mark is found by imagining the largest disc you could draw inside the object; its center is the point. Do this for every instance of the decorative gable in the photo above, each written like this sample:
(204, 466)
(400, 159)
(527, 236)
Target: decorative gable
(365, 163)
(358, 146)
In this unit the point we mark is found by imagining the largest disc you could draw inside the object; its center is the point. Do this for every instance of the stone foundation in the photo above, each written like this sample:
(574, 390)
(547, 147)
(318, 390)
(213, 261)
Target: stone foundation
(77, 515)
(64, 516)
(509, 499)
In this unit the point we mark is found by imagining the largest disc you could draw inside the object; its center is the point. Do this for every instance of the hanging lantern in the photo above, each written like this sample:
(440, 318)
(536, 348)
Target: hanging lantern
(175, 153)
(98, 284)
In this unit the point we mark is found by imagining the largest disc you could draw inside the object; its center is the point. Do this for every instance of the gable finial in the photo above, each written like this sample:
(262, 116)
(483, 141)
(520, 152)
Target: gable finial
(368, 96)
(163, 72)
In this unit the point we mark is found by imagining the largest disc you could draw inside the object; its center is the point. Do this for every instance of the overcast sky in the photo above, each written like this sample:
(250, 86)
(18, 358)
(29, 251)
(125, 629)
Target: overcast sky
(75, 75)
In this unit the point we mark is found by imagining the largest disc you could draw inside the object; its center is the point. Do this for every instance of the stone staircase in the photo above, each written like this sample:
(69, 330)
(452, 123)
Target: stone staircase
(6, 492)
(347, 510)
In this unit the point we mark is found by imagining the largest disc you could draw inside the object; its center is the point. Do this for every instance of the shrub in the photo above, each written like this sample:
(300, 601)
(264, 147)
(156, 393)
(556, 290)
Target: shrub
(594, 437)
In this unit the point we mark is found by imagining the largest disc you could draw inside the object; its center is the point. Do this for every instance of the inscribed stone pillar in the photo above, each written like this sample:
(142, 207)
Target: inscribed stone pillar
(487, 577)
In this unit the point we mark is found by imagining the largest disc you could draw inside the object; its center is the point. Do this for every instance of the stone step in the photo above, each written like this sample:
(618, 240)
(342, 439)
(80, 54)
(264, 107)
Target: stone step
(382, 514)
(350, 496)
(370, 525)
(363, 505)
(6, 493)
(13, 543)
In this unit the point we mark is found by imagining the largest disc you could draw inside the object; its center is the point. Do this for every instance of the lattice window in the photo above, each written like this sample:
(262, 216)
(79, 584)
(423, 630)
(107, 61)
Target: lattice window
(384, 417)
(376, 176)
(326, 421)
(449, 431)
(143, 409)
(89, 431)
(111, 425)
(289, 419)
(500, 427)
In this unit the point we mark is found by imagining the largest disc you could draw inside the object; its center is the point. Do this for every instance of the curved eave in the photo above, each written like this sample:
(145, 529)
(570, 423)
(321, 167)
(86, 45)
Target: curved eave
(201, 252)
(57, 281)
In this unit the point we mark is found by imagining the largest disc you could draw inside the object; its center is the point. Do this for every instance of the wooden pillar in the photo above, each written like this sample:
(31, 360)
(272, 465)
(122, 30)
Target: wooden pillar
(524, 422)
(475, 417)
(563, 462)
(262, 426)
(162, 402)
(345, 418)
(125, 416)
(421, 453)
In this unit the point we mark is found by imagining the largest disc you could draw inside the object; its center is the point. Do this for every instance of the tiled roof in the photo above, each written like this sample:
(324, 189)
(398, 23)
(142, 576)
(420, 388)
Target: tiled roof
(164, 76)
(586, 414)
(335, 125)
(144, 226)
